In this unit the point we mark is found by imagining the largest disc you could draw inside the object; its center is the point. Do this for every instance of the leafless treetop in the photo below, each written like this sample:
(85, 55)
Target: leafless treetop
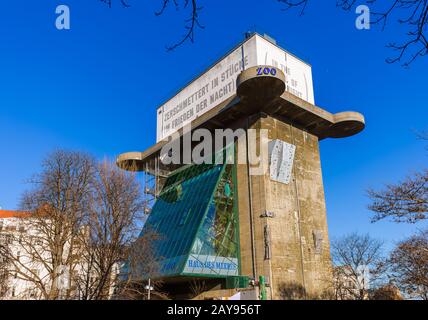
(406, 201)
(191, 23)
(412, 15)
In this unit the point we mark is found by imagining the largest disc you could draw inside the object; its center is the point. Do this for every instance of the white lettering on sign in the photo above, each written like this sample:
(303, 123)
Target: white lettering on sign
(203, 264)
(219, 83)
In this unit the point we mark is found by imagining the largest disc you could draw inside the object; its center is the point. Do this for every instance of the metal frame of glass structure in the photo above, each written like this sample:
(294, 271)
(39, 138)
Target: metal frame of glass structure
(196, 219)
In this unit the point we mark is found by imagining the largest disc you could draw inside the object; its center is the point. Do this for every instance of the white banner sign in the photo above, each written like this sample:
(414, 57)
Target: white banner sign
(219, 83)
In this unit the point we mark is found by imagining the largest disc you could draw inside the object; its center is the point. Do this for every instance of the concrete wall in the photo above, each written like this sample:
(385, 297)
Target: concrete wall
(300, 255)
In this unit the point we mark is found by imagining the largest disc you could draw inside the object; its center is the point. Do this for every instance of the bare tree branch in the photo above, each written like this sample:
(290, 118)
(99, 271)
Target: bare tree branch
(295, 3)
(4, 267)
(350, 253)
(404, 202)
(111, 226)
(411, 14)
(191, 23)
(124, 3)
(409, 265)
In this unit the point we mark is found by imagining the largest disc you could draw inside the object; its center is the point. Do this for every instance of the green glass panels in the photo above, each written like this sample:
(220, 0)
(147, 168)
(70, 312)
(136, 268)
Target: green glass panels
(215, 249)
(196, 219)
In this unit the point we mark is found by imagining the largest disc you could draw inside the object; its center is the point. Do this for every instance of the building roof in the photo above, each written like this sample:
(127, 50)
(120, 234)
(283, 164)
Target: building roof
(4, 214)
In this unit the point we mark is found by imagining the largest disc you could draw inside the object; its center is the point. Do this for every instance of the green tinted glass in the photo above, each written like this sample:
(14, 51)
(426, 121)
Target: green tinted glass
(196, 219)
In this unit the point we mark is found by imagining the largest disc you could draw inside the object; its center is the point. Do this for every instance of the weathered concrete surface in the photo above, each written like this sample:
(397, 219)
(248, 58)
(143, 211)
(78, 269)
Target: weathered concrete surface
(298, 265)
(300, 255)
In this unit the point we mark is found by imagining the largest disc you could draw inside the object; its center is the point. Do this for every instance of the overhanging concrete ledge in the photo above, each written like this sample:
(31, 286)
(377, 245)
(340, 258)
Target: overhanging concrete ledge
(285, 107)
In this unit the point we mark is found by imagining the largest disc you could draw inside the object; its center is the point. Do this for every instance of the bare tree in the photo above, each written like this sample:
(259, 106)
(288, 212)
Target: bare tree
(410, 14)
(84, 217)
(110, 227)
(192, 22)
(124, 3)
(57, 201)
(406, 201)
(4, 269)
(359, 265)
(81, 228)
(409, 265)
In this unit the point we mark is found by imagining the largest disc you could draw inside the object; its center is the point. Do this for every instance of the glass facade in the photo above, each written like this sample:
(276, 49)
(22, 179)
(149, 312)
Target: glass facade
(196, 219)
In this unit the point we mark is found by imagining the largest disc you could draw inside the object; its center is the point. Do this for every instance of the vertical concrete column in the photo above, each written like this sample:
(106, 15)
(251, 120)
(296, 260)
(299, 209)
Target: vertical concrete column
(299, 265)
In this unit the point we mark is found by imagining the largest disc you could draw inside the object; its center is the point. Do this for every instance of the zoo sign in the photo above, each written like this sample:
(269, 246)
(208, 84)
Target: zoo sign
(266, 71)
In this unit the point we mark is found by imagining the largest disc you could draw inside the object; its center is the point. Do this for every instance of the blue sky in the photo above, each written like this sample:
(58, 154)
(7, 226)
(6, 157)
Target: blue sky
(96, 88)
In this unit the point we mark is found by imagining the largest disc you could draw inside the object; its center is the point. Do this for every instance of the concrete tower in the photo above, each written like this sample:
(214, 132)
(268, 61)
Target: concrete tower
(273, 237)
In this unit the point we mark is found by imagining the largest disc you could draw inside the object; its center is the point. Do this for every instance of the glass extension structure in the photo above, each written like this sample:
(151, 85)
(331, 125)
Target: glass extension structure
(196, 218)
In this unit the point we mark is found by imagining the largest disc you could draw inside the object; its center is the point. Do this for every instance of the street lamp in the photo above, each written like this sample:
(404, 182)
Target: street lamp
(149, 288)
